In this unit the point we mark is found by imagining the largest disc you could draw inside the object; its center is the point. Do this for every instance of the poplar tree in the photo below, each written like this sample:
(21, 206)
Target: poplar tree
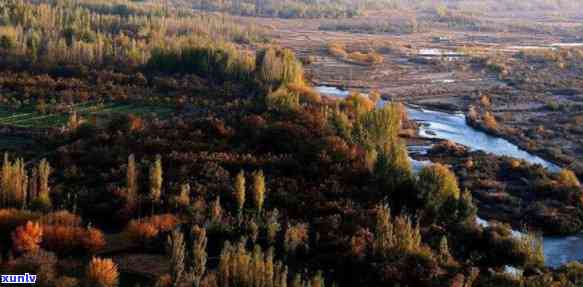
(132, 179)
(259, 190)
(156, 180)
(199, 255)
(175, 244)
(240, 191)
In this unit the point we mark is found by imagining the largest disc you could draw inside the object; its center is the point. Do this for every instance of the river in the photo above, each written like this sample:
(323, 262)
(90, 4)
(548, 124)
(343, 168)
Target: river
(453, 127)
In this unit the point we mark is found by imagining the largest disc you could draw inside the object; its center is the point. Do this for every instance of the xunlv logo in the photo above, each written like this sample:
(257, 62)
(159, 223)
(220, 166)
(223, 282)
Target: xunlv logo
(18, 279)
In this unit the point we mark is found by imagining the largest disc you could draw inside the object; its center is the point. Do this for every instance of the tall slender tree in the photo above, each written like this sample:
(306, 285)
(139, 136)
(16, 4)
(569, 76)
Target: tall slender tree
(156, 180)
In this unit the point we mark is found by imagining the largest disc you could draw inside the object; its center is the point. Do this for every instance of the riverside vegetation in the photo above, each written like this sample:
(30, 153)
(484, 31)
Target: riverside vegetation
(182, 148)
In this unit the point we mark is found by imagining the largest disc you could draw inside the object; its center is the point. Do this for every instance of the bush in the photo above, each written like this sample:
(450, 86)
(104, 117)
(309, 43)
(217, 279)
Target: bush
(148, 228)
(436, 184)
(138, 231)
(27, 238)
(339, 50)
(574, 272)
(490, 121)
(102, 273)
(568, 179)
(62, 217)
(296, 236)
(66, 239)
(11, 218)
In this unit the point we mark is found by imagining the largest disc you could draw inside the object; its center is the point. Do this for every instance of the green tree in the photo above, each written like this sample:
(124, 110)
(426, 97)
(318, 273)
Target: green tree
(7, 43)
(436, 185)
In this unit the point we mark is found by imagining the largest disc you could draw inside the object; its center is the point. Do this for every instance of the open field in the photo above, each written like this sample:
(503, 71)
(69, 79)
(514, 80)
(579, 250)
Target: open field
(27, 117)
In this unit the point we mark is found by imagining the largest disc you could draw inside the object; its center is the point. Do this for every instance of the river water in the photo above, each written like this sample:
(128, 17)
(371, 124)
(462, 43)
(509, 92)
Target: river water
(453, 127)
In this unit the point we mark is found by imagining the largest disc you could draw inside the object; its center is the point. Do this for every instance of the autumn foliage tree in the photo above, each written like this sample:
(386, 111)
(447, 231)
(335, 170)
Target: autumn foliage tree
(14, 183)
(240, 192)
(259, 190)
(199, 255)
(395, 237)
(156, 180)
(132, 180)
(175, 245)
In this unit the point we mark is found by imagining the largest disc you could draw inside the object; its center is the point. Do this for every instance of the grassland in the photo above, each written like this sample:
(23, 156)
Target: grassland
(28, 117)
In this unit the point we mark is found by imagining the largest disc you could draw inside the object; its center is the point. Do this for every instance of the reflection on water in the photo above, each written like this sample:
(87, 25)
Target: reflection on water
(440, 125)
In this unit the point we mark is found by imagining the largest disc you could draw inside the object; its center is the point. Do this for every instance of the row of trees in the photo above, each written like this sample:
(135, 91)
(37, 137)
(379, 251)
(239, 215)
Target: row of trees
(21, 188)
(61, 32)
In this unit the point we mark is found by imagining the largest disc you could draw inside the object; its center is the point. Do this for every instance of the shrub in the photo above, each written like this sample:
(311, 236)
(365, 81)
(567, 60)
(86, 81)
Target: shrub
(27, 238)
(568, 178)
(296, 236)
(574, 272)
(11, 218)
(102, 273)
(141, 230)
(530, 246)
(138, 231)
(65, 239)
(436, 184)
(62, 217)
(338, 50)
(164, 222)
(490, 121)
(485, 101)
(93, 240)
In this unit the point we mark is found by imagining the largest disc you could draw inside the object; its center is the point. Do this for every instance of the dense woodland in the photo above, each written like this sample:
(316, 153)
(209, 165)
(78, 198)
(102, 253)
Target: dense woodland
(248, 178)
